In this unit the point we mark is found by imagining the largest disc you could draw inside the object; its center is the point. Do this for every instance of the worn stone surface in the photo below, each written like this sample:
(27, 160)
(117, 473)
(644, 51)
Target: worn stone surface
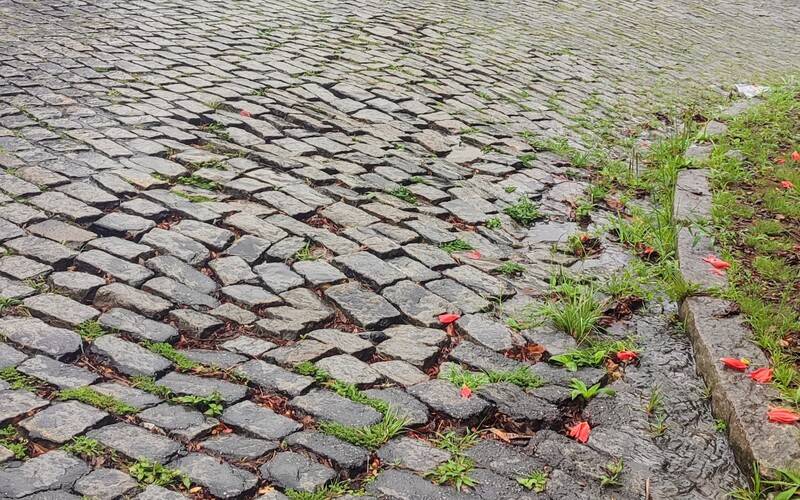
(134, 324)
(135, 442)
(34, 334)
(41, 475)
(259, 421)
(292, 470)
(61, 422)
(442, 396)
(326, 405)
(16, 403)
(237, 447)
(412, 454)
(105, 484)
(56, 373)
(274, 378)
(200, 386)
(366, 308)
(351, 458)
(180, 422)
(221, 479)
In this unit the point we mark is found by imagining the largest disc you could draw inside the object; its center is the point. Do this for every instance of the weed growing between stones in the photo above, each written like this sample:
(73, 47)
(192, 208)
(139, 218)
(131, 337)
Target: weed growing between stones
(194, 198)
(456, 443)
(522, 377)
(785, 486)
(576, 311)
(581, 390)
(168, 351)
(593, 354)
(148, 384)
(370, 437)
(333, 490)
(535, 481)
(210, 405)
(612, 473)
(455, 472)
(90, 330)
(91, 397)
(404, 194)
(305, 253)
(7, 303)
(18, 380)
(148, 472)
(349, 391)
(198, 182)
(13, 442)
(511, 269)
(84, 447)
(457, 245)
(524, 211)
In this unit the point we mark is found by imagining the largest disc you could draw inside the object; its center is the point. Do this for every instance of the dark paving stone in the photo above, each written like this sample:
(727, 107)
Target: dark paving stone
(365, 308)
(237, 447)
(131, 323)
(181, 272)
(295, 471)
(56, 373)
(135, 442)
(274, 378)
(46, 473)
(37, 336)
(191, 385)
(129, 358)
(60, 310)
(406, 406)
(181, 422)
(178, 293)
(177, 245)
(221, 479)
(420, 306)
(61, 422)
(350, 370)
(413, 454)
(326, 405)
(103, 263)
(17, 403)
(444, 397)
(343, 455)
(75, 285)
(259, 421)
(128, 395)
(106, 484)
(124, 297)
(346, 342)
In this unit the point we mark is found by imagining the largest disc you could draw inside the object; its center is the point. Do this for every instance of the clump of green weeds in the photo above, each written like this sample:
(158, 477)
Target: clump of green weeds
(404, 194)
(535, 481)
(210, 405)
(148, 472)
(14, 442)
(457, 245)
(90, 330)
(91, 397)
(524, 211)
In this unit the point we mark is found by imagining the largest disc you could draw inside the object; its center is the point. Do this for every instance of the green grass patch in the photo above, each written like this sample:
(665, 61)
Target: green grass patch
(370, 437)
(168, 351)
(102, 401)
(210, 405)
(511, 269)
(14, 442)
(594, 354)
(524, 211)
(84, 446)
(148, 384)
(457, 245)
(454, 472)
(198, 182)
(90, 330)
(522, 377)
(194, 198)
(148, 472)
(18, 380)
(404, 194)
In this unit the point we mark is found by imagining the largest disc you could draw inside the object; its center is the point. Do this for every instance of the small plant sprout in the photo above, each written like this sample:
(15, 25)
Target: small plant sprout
(536, 481)
(148, 472)
(611, 477)
(91, 397)
(523, 211)
(579, 389)
(457, 245)
(90, 330)
(404, 194)
(210, 405)
(720, 425)
(456, 443)
(455, 471)
(306, 253)
(84, 446)
(370, 437)
(511, 269)
(494, 223)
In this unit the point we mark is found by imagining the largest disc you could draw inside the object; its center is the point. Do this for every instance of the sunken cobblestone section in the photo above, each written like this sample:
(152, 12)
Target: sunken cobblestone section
(263, 184)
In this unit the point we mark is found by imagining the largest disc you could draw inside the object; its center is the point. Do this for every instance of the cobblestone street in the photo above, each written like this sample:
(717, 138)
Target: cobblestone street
(259, 242)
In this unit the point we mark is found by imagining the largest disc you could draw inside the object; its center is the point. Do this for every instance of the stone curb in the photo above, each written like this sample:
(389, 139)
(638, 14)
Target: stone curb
(717, 330)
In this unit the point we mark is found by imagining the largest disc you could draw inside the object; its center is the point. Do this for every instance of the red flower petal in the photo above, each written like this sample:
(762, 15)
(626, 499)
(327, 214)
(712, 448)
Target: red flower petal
(580, 432)
(465, 392)
(474, 255)
(795, 155)
(780, 161)
(448, 318)
(782, 416)
(762, 375)
(626, 356)
(787, 185)
(739, 365)
(717, 262)
(245, 113)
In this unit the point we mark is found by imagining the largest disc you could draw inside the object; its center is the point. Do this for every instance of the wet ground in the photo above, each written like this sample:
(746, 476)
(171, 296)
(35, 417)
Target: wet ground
(263, 184)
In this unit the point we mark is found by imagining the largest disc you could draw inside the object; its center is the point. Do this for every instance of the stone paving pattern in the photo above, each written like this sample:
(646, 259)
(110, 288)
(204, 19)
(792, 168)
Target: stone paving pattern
(302, 118)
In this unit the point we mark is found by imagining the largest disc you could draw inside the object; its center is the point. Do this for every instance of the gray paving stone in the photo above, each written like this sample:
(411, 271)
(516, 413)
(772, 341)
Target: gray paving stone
(195, 323)
(299, 352)
(250, 248)
(129, 358)
(215, 238)
(296, 471)
(256, 226)
(278, 277)
(60, 310)
(61, 204)
(429, 255)
(348, 343)
(414, 412)
(37, 336)
(180, 422)
(468, 301)
(236, 447)
(135, 442)
(48, 472)
(153, 492)
(68, 235)
(259, 421)
(60, 422)
(482, 358)
(420, 306)
(370, 269)
(123, 225)
(177, 245)
(232, 270)
(318, 272)
(486, 331)
(274, 378)
(75, 285)
(54, 372)
(327, 405)
(103, 263)
(128, 395)
(118, 295)
(134, 324)
(119, 247)
(181, 272)
(13, 289)
(414, 270)
(480, 282)
(106, 484)
(350, 370)
(10, 356)
(179, 294)
(22, 268)
(251, 296)
(234, 313)
(17, 403)
(412, 454)
(9, 231)
(399, 372)
(365, 308)
(343, 455)
(221, 479)
(191, 385)
(249, 346)
(519, 405)
(220, 359)
(444, 397)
